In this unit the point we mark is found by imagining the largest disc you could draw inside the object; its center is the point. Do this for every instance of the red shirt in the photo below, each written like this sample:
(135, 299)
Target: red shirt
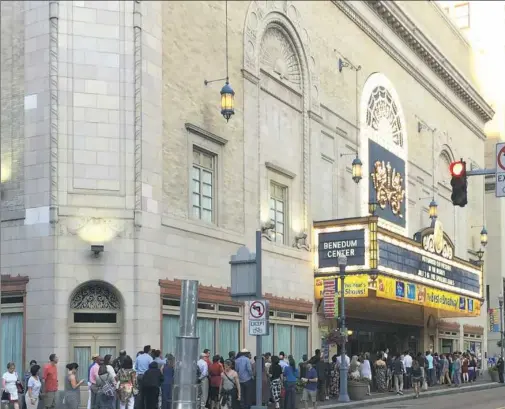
(50, 377)
(215, 371)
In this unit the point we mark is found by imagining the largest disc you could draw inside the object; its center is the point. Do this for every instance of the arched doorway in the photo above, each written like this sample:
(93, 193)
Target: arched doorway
(95, 324)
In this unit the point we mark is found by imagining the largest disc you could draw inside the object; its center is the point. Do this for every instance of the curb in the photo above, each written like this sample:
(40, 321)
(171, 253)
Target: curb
(423, 395)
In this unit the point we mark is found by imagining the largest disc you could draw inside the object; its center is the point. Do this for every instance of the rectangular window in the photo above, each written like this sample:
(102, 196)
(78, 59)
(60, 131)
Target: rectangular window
(462, 15)
(12, 340)
(82, 355)
(287, 338)
(278, 211)
(219, 335)
(203, 185)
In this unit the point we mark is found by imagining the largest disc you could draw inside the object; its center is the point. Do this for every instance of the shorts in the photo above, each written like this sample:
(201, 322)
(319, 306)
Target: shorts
(50, 399)
(309, 394)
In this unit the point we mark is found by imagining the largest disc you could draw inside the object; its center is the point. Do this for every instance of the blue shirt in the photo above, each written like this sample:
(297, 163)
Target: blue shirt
(312, 374)
(142, 363)
(89, 371)
(429, 358)
(244, 369)
(290, 374)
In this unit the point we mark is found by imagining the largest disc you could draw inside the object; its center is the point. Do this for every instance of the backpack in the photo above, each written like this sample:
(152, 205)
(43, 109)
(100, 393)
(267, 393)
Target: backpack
(106, 386)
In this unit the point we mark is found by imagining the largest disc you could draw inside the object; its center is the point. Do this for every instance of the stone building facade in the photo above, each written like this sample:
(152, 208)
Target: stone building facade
(110, 137)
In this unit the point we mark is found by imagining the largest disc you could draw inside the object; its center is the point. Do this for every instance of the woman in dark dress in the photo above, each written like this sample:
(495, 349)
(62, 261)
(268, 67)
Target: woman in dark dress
(381, 375)
(335, 376)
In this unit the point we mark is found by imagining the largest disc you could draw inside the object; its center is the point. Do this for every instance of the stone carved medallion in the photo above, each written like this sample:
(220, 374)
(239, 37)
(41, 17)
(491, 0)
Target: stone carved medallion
(278, 57)
(382, 115)
(95, 297)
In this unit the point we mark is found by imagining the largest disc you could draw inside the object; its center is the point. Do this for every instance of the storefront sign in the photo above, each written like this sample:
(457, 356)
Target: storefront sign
(422, 265)
(330, 299)
(356, 286)
(494, 320)
(404, 291)
(332, 245)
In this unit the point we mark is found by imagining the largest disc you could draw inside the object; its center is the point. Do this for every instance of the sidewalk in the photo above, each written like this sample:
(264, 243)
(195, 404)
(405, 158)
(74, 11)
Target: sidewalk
(382, 398)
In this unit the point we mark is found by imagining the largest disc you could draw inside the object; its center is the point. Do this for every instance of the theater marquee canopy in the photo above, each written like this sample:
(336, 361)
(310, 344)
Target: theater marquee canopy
(422, 271)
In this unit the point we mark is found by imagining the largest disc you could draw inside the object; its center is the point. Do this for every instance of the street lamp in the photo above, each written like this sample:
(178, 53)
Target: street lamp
(343, 395)
(483, 236)
(372, 208)
(357, 170)
(227, 101)
(433, 209)
(500, 302)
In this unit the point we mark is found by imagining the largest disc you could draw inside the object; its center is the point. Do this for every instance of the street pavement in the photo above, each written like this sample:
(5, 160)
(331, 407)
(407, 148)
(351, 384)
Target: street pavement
(483, 399)
(455, 396)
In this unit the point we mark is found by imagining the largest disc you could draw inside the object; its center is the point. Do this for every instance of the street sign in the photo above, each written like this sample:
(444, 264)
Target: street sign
(500, 169)
(259, 318)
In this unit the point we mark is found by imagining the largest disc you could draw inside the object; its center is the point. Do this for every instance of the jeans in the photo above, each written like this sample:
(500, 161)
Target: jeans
(399, 383)
(105, 402)
(290, 399)
(247, 393)
(457, 377)
(431, 374)
(408, 378)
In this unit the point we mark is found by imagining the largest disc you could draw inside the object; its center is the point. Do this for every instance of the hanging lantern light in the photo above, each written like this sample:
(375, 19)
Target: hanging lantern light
(483, 236)
(433, 209)
(227, 101)
(357, 170)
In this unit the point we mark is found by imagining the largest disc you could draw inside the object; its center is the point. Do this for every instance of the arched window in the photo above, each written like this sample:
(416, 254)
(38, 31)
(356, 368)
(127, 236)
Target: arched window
(95, 303)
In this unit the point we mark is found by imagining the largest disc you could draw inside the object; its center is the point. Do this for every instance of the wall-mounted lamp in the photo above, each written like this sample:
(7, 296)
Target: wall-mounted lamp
(483, 235)
(345, 63)
(97, 249)
(227, 93)
(267, 229)
(357, 167)
(301, 241)
(433, 209)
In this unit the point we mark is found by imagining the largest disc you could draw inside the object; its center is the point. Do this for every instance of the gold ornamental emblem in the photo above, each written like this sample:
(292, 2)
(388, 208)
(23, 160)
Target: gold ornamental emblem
(438, 237)
(388, 185)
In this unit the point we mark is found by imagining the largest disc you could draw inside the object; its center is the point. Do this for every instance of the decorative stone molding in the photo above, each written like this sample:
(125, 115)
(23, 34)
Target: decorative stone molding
(13, 284)
(53, 108)
(205, 134)
(473, 329)
(137, 58)
(278, 169)
(350, 11)
(283, 17)
(392, 14)
(172, 289)
(95, 296)
(448, 326)
(92, 229)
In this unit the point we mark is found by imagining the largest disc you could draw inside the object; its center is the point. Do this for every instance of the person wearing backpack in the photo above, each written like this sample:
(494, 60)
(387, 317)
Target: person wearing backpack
(105, 383)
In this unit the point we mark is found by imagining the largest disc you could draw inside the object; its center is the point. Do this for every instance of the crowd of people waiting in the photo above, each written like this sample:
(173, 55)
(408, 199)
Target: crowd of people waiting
(147, 381)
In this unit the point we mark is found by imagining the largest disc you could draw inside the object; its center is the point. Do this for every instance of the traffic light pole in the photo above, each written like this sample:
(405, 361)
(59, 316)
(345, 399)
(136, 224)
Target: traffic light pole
(481, 172)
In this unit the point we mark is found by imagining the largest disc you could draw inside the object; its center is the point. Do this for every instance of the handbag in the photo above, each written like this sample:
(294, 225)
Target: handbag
(108, 389)
(6, 396)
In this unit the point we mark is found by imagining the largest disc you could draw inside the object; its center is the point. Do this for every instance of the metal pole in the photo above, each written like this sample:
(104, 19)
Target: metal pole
(501, 327)
(259, 339)
(343, 395)
(185, 386)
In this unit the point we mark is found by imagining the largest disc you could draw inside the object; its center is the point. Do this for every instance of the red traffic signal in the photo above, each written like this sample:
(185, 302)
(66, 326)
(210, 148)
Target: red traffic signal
(458, 169)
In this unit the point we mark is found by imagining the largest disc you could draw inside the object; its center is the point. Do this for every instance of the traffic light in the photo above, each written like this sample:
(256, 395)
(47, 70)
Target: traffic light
(459, 183)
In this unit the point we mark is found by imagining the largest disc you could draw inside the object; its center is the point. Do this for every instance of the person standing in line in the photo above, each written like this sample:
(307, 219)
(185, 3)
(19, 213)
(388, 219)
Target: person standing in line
(407, 362)
(456, 367)
(27, 376)
(203, 380)
(50, 382)
(310, 389)
(72, 397)
(127, 384)
(168, 381)
(142, 363)
(151, 383)
(243, 367)
(290, 376)
(417, 377)
(33, 386)
(429, 359)
(93, 389)
(9, 384)
(398, 371)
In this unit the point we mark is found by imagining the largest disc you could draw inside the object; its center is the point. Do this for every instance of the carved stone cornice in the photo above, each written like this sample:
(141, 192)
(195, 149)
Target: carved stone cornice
(392, 14)
(355, 16)
(13, 284)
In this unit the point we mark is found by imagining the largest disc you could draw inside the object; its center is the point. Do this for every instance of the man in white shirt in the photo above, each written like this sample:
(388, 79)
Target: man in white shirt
(407, 363)
(203, 379)
(347, 360)
(283, 360)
